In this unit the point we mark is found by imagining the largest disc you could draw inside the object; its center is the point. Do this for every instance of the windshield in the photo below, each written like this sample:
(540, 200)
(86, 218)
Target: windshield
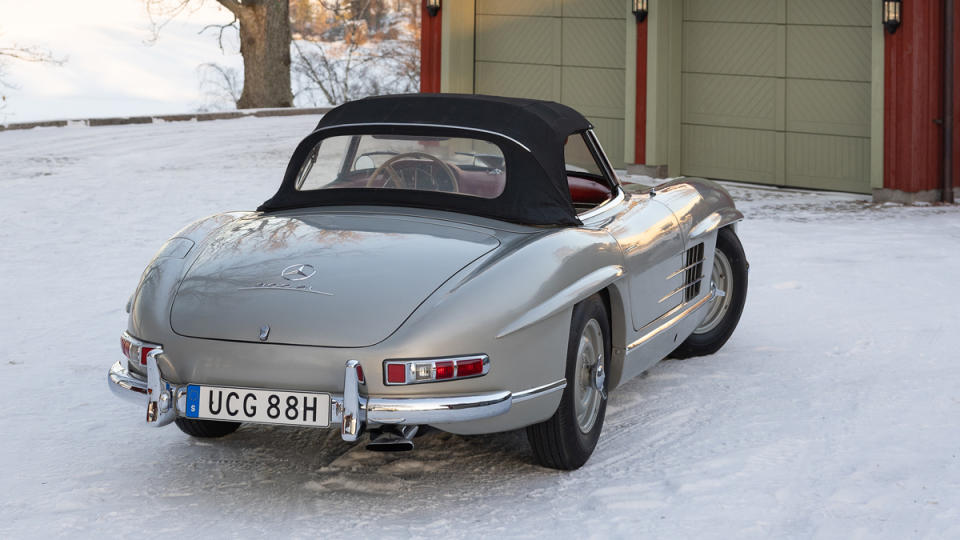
(463, 166)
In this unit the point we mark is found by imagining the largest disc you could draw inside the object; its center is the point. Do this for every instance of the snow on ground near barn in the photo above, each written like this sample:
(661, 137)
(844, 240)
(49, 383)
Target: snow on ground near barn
(834, 411)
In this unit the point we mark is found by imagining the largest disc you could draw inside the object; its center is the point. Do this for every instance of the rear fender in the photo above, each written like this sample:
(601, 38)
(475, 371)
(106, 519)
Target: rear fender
(149, 306)
(701, 206)
(515, 305)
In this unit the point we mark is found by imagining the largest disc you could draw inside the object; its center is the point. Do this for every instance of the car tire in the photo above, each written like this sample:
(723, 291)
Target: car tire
(566, 440)
(206, 429)
(729, 275)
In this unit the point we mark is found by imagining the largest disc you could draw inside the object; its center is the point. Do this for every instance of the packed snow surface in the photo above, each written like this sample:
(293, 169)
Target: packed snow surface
(833, 412)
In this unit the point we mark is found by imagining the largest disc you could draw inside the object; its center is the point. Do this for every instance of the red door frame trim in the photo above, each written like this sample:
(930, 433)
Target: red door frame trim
(430, 49)
(640, 126)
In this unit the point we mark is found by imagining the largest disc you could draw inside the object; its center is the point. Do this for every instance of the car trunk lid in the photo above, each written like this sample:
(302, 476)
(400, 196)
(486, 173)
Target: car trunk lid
(343, 280)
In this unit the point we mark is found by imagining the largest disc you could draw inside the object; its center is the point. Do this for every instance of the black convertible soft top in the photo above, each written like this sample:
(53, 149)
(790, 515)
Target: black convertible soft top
(531, 134)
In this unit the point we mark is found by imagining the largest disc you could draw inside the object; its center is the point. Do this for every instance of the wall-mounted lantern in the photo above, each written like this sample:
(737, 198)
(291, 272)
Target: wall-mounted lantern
(433, 7)
(640, 9)
(892, 14)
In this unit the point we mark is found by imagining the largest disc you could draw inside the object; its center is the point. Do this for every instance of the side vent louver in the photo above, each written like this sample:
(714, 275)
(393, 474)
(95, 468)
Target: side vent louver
(694, 273)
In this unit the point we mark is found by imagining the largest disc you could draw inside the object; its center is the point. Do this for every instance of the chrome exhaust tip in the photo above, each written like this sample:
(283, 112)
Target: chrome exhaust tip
(392, 439)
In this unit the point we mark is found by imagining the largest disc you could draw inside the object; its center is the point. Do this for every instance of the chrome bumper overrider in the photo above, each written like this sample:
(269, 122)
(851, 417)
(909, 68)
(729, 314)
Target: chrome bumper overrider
(166, 401)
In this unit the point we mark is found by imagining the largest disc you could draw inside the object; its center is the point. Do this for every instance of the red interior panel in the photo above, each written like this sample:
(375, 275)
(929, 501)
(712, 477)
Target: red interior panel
(587, 191)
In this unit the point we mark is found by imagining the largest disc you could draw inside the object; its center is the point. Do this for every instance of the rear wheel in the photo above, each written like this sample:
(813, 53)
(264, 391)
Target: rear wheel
(567, 439)
(206, 428)
(729, 283)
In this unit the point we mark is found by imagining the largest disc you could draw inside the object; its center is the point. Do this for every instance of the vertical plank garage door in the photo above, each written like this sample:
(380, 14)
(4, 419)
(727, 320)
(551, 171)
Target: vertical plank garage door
(570, 51)
(777, 92)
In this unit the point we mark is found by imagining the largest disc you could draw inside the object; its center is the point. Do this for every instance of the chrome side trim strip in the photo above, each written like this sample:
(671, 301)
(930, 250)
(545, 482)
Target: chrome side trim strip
(578, 290)
(670, 322)
(684, 269)
(448, 126)
(539, 391)
(682, 287)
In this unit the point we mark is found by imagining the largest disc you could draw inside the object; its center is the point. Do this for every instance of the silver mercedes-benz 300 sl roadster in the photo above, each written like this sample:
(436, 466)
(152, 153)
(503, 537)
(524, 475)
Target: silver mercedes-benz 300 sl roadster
(469, 263)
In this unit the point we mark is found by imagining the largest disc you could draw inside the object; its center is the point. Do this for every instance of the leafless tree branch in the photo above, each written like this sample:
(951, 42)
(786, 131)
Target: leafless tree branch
(31, 54)
(160, 13)
(220, 85)
(24, 54)
(222, 27)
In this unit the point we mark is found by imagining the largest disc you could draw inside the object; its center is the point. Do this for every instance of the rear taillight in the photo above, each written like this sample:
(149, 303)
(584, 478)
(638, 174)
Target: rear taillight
(398, 372)
(144, 351)
(470, 367)
(135, 350)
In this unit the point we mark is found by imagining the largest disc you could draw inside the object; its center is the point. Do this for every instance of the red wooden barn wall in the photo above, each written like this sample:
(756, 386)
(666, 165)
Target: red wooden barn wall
(956, 93)
(913, 99)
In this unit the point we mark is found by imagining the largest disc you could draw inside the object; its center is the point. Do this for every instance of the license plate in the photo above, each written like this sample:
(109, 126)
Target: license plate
(261, 406)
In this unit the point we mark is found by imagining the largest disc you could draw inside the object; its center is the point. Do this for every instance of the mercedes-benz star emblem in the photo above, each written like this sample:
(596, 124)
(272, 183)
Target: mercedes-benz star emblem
(298, 272)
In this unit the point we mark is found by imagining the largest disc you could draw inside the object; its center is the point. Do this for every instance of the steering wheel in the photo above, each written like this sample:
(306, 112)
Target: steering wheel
(395, 180)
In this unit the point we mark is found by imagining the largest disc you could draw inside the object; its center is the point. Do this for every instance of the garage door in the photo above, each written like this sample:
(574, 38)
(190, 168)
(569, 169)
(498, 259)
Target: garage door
(778, 92)
(570, 51)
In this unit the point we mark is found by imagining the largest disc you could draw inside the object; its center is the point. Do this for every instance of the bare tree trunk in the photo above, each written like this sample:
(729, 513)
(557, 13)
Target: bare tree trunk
(265, 46)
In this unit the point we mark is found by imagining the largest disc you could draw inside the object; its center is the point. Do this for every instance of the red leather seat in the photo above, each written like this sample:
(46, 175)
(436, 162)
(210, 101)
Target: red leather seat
(586, 191)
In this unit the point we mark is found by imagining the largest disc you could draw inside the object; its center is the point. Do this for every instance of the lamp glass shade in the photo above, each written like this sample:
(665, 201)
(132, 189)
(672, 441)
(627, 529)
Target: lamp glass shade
(640, 9)
(892, 14)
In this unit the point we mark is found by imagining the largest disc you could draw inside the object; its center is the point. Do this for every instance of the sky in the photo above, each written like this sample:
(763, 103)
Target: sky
(111, 67)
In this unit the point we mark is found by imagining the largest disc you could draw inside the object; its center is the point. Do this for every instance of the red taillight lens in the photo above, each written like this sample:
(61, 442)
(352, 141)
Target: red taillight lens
(125, 346)
(444, 370)
(469, 368)
(396, 373)
(360, 375)
(144, 351)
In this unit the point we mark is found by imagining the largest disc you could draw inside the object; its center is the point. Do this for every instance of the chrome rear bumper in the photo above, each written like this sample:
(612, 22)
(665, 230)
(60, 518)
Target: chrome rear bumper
(165, 402)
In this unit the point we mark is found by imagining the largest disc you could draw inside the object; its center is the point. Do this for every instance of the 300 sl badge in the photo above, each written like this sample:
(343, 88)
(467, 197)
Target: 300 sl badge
(285, 287)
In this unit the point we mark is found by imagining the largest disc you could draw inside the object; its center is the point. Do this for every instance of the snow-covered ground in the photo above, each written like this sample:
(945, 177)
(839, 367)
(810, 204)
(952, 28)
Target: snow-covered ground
(833, 412)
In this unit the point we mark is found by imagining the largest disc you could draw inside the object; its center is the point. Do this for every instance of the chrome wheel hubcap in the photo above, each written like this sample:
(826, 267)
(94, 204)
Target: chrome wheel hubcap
(589, 385)
(721, 284)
